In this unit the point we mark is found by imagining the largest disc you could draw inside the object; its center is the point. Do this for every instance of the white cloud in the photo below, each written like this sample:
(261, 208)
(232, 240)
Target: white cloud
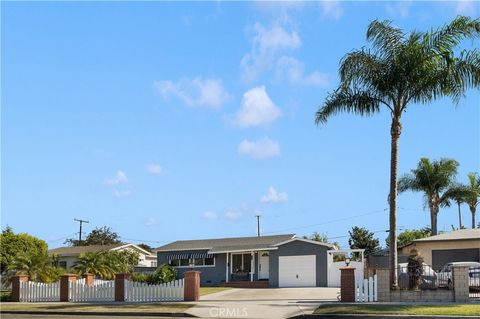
(399, 8)
(294, 71)
(120, 178)
(332, 9)
(260, 149)
(257, 109)
(232, 214)
(266, 45)
(273, 196)
(197, 92)
(210, 215)
(154, 169)
(151, 221)
(122, 193)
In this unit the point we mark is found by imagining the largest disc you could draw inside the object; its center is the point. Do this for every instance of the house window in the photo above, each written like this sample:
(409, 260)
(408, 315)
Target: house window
(199, 262)
(62, 264)
(241, 263)
(179, 262)
(153, 264)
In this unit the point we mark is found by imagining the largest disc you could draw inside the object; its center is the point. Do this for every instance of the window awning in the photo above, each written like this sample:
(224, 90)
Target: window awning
(189, 256)
(178, 256)
(201, 255)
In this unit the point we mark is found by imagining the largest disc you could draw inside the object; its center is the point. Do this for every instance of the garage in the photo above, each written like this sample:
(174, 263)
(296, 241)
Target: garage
(444, 256)
(297, 271)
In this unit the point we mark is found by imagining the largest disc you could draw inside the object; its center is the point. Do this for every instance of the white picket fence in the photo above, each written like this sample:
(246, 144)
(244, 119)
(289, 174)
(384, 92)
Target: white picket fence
(366, 290)
(31, 291)
(95, 281)
(141, 292)
(101, 290)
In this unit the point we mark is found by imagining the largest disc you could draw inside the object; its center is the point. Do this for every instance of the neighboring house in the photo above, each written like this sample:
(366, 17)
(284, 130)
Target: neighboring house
(278, 261)
(459, 245)
(67, 256)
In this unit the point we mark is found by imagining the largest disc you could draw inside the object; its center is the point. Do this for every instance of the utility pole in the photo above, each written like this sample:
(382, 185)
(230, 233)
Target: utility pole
(258, 224)
(81, 221)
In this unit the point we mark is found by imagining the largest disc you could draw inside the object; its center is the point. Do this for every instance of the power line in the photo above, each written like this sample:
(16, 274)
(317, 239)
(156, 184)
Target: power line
(329, 222)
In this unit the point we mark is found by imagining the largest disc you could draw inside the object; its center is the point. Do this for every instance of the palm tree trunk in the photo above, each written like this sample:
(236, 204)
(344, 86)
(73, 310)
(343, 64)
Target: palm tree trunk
(434, 209)
(395, 134)
(459, 215)
(473, 210)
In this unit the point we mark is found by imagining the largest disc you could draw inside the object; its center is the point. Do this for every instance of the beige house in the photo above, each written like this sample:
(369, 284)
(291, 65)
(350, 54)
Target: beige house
(459, 245)
(67, 256)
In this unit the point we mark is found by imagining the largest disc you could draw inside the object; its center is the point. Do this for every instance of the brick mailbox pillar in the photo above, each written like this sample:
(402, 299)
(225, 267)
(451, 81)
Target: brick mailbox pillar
(16, 280)
(89, 279)
(191, 290)
(461, 281)
(120, 283)
(64, 283)
(347, 284)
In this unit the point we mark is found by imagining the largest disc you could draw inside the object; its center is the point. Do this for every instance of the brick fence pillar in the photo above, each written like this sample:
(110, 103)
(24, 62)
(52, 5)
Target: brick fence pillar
(120, 285)
(347, 284)
(461, 283)
(64, 283)
(383, 284)
(89, 279)
(191, 290)
(16, 280)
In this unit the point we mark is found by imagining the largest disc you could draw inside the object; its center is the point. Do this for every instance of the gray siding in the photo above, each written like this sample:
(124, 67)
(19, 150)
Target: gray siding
(209, 276)
(298, 248)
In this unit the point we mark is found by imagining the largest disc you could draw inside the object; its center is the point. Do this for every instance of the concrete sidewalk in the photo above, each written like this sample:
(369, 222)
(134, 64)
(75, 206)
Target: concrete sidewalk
(262, 303)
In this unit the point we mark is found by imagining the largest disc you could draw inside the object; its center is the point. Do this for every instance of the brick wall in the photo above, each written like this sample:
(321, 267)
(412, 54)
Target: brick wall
(458, 294)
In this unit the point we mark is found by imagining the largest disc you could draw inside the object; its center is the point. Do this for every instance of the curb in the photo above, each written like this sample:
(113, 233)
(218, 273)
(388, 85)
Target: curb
(101, 313)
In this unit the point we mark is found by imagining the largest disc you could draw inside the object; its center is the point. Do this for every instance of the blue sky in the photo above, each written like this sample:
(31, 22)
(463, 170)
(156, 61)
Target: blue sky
(171, 121)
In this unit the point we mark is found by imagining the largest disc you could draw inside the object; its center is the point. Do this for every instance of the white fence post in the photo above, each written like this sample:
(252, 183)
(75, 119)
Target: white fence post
(366, 290)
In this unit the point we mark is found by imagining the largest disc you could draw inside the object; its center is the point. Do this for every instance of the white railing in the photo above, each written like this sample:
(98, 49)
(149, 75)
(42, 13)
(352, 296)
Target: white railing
(95, 281)
(366, 290)
(102, 290)
(140, 292)
(31, 291)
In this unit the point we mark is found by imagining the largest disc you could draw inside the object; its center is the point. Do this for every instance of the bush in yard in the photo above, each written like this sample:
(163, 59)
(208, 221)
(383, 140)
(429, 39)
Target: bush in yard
(164, 273)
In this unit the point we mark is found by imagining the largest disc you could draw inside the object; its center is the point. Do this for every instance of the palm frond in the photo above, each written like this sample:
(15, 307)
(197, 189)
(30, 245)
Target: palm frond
(360, 102)
(384, 37)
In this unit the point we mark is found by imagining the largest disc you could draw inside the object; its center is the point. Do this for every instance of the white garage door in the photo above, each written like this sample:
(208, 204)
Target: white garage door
(297, 271)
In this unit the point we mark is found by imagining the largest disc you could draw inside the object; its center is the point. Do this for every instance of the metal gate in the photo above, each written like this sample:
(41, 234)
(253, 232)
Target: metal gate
(474, 283)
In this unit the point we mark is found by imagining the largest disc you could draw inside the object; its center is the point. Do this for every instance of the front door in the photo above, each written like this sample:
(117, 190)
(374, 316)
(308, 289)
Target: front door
(263, 265)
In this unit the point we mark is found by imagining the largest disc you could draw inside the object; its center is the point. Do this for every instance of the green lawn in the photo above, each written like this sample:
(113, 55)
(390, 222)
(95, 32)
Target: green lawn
(210, 290)
(447, 309)
(113, 307)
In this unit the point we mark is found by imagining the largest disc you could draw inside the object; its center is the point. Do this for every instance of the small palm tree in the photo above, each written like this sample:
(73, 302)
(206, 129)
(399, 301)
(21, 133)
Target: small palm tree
(94, 263)
(38, 266)
(434, 179)
(399, 70)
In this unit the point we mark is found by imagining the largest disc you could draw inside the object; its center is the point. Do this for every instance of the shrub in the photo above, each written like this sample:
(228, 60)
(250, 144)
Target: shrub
(164, 273)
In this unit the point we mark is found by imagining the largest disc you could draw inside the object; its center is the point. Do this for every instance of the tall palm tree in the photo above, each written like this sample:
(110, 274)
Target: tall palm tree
(402, 69)
(434, 179)
(457, 194)
(473, 194)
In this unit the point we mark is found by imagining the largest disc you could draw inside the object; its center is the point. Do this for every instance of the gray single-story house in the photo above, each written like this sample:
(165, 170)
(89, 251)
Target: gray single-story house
(277, 261)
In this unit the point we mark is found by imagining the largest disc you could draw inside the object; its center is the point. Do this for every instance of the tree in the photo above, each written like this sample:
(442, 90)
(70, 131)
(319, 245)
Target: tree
(99, 236)
(407, 236)
(398, 70)
(473, 194)
(323, 238)
(456, 193)
(37, 266)
(434, 179)
(361, 238)
(145, 247)
(122, 261)
(94, 263)
(12, 245)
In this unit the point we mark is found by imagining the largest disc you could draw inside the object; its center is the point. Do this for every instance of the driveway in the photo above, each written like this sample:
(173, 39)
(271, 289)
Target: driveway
(262, 303)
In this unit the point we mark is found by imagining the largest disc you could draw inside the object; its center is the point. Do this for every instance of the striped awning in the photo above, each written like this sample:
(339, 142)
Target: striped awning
(178, 256)
(201, 255)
